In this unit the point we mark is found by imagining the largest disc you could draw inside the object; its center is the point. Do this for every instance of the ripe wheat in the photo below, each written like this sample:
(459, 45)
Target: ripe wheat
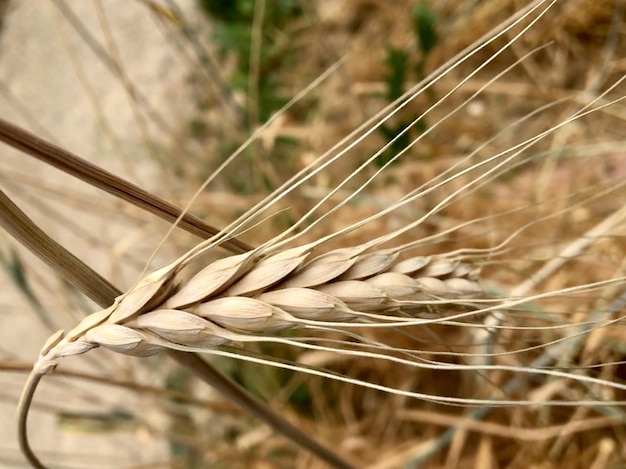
(276, 291)
(241, 295)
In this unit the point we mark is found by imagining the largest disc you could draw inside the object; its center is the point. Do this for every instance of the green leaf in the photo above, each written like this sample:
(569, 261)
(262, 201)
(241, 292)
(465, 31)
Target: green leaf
(425, 25)
(397, 60)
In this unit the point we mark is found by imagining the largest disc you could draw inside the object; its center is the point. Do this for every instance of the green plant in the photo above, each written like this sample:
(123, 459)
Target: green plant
(402, 133)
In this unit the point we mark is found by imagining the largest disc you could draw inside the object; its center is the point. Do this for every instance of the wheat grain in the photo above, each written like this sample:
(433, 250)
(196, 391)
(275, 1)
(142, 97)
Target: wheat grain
(282, 291)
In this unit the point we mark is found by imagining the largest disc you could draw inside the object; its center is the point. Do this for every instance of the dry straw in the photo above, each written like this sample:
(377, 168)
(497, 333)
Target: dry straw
(255, 295)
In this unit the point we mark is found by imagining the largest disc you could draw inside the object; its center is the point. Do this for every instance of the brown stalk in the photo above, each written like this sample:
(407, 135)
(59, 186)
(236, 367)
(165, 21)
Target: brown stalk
(94, 175)
(104, 293)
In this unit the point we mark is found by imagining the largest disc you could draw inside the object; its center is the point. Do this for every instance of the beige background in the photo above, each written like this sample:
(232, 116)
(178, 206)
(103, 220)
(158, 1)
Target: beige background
(37, 70)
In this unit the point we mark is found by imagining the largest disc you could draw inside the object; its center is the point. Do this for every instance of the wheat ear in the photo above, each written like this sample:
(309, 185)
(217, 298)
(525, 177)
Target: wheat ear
(250, 293)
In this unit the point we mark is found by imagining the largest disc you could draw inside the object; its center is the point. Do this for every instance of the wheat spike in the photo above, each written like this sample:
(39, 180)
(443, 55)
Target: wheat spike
(255, 294)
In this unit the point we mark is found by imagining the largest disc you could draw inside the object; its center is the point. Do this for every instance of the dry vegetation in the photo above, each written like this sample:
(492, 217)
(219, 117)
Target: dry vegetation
(565, 190)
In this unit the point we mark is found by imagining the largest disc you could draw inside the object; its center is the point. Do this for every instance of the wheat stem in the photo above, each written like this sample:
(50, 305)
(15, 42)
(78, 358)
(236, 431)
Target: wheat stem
(98, 177)
(23, 406)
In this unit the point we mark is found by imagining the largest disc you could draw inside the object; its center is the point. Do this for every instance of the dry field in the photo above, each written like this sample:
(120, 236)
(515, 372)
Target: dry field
(474, 321)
